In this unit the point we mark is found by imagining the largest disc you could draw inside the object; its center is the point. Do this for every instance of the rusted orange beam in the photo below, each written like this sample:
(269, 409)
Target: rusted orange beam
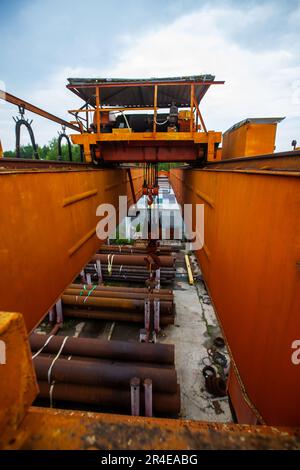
(17, 378)
(98, 115)
(200, 116)
(34, 109)
(249, 262)
(66, 430)
(52, 233)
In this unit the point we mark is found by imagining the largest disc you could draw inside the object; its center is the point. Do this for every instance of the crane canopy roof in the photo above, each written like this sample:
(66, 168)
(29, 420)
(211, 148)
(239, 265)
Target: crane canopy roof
(126, 92)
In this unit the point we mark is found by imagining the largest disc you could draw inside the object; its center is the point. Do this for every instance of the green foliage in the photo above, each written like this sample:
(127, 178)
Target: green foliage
(119, 240)
(165, 166)
(47, 152)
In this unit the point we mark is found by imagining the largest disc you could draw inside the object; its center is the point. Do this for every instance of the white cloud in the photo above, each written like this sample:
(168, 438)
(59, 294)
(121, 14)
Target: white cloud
(260, 82)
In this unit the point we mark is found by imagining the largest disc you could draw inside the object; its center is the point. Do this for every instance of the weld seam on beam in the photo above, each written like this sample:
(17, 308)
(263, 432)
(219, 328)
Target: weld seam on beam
(206, 198)
(206, 251)
(258, 172)
(81, 242)
(111, 186)
(188, 186)
(79, 197)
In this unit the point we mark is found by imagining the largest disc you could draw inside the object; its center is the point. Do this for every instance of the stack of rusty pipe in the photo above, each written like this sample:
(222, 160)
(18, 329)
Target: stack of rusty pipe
(131, 267)
(115, 303)
(141, 248)
(99, 373)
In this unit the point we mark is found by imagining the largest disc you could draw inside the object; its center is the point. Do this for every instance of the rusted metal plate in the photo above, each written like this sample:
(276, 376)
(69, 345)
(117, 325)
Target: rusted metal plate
(18, 386)
(149, 146)
(48, 231)
(250, 137)
(249, 262)
(288, 161)
(59, 429)
(26, 164)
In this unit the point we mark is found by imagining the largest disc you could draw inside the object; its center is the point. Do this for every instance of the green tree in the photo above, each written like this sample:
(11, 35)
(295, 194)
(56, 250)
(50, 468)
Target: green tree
(47, 152)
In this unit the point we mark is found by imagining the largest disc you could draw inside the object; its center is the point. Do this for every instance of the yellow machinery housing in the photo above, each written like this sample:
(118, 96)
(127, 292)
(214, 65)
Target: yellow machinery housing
(255, 136)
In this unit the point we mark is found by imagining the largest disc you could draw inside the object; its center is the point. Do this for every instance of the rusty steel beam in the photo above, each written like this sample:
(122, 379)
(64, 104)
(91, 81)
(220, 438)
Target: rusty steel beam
(18, 387)
(131, 184)
(21, 164)
(107, 373)
(102, 349)
(149, 151)
(280, 161)
(34, 109)
(249, 263)
(42, 203)
(54, 429)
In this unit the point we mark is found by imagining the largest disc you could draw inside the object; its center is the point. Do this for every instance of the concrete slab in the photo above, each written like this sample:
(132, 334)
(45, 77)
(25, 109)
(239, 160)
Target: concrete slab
(196, 326)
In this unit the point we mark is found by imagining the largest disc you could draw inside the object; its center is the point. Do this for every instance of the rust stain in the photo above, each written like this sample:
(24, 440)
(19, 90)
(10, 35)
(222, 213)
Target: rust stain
(59, 429)
(250, 271)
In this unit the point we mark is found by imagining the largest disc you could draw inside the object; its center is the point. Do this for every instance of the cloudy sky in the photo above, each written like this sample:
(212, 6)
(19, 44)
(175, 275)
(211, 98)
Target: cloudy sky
(252, 45)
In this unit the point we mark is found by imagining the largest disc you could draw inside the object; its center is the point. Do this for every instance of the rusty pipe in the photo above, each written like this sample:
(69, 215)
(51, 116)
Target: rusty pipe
(130, 268)
(113, 316)
(113, 303)
(135, 279)
(133, 270)
(141, 278)
(105, 374)
(119, 295)
(138, 290)
(125, 249)
(55, 329)
(134, 260)
(110, 399)
(115, 350)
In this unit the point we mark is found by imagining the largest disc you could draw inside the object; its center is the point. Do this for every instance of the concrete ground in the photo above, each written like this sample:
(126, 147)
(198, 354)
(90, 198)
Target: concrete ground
(195, 328)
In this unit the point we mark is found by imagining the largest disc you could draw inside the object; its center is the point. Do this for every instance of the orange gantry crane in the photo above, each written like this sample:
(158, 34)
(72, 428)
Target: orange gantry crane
(250, 258)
